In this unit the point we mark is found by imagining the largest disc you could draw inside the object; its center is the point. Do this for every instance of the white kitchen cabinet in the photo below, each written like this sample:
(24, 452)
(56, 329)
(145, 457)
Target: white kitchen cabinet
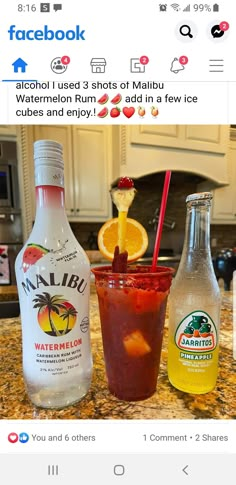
(224, 198)
(91, 160)
(199, 149)
(206, 138)
(88, 161)
(87, 157)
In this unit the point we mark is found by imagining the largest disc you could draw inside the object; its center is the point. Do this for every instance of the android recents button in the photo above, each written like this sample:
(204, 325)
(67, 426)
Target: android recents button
(53, 470)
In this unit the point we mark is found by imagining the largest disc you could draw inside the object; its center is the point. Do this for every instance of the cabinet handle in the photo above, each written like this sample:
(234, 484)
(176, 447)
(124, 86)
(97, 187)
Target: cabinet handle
(77, 210)
(72, 210)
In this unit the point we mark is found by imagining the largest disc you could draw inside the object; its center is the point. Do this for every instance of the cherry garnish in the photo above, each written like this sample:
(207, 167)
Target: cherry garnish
(125, 183)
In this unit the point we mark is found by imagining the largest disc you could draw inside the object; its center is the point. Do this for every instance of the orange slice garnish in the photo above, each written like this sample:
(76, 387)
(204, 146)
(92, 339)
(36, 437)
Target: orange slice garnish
(136, 241)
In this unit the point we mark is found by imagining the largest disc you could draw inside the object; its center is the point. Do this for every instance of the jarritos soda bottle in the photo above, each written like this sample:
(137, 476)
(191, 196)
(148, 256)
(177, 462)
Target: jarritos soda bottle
(53, 279)
(195, 306)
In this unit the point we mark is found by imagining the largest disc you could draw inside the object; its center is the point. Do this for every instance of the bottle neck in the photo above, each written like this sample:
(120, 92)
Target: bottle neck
(49, 197)
(197, 233)
(49, 188)
(50, 209)
(196, 263)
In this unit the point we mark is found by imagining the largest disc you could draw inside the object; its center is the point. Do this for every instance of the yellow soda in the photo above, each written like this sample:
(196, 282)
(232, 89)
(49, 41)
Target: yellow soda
(194, 306)
(193, 354)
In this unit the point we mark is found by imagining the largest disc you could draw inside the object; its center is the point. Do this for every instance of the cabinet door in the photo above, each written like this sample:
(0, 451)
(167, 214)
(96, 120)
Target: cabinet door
(148, 149)
(91, 152)
(205, 138)
(156, 135)
(63, 135)
(224, 198)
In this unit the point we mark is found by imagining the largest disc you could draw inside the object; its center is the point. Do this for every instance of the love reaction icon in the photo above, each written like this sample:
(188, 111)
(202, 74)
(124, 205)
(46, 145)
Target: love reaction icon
(12, 437)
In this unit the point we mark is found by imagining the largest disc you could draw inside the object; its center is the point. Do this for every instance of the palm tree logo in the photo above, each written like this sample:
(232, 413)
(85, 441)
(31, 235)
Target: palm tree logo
(69, 312)
(52, 313)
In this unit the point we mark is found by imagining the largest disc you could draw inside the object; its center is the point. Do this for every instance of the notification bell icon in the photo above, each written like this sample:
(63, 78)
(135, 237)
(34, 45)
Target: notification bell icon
(176, 66)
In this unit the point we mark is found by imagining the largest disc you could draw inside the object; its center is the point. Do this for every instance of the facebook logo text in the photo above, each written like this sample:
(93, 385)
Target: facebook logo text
(46, 34)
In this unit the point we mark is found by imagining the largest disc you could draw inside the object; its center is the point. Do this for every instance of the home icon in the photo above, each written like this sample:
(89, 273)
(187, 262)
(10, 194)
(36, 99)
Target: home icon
(98, 65)
(19, 65)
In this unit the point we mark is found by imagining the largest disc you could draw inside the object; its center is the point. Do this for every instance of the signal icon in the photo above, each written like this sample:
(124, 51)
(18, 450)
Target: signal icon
(176, 7)
(187, 9)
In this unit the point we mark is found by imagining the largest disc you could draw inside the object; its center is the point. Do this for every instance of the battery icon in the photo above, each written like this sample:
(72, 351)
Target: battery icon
(215, 7)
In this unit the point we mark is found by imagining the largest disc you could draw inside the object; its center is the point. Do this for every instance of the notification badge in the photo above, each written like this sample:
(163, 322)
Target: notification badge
(13, 438)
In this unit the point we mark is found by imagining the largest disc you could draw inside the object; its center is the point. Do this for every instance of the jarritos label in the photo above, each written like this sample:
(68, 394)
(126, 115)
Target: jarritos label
(196, 333)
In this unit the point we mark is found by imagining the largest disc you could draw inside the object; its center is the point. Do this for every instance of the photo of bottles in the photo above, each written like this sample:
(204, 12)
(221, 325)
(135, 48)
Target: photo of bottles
(117, 260)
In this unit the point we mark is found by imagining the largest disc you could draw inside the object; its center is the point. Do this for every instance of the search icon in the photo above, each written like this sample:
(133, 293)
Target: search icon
(185, 30)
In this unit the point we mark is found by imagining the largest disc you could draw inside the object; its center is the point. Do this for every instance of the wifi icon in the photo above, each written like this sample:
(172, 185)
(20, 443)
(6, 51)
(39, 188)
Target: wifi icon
(176, 7)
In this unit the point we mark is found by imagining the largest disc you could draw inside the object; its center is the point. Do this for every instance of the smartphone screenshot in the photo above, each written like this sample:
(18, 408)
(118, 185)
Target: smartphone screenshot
(117, 242)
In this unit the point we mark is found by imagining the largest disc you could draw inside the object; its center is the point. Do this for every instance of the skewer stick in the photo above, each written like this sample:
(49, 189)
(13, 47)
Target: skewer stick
(122, 225)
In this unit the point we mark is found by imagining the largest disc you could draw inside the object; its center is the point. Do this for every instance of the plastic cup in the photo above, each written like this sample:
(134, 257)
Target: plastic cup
(132, 312)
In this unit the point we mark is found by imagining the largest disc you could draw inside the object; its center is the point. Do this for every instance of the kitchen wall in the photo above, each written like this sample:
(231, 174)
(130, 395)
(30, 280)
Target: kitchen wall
(148, 198)
(225, 236)
(83, 232)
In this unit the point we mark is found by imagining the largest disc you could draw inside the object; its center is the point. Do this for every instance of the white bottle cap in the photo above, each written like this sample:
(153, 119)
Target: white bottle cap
(48, 152)
(48, 162)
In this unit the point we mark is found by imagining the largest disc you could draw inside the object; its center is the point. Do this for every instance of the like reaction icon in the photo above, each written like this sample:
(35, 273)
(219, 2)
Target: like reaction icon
(23, 437)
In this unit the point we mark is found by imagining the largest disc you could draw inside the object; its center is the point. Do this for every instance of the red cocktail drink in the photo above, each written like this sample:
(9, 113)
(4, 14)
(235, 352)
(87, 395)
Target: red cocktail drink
(132, 311)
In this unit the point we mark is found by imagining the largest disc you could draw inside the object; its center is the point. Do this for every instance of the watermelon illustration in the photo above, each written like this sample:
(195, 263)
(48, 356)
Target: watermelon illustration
(117, 99)
(32, 254)
(103, 99)
(103, 113)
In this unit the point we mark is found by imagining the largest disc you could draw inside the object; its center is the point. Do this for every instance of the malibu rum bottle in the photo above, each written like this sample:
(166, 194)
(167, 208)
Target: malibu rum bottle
(53, 280)
(194, 306)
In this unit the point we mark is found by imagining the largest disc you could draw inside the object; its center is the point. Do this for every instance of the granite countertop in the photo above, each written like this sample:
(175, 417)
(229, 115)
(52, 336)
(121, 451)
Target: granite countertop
(166, 403)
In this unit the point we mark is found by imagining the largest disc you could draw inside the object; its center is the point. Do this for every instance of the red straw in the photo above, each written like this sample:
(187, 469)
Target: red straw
(161, 219)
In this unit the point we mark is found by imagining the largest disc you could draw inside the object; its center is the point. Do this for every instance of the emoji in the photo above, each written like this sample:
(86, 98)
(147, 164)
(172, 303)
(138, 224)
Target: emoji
(103, 113)
(128, 112)
(141, 111)
(115, 112)
(103, 99)
(154, 111)
(117, 99)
